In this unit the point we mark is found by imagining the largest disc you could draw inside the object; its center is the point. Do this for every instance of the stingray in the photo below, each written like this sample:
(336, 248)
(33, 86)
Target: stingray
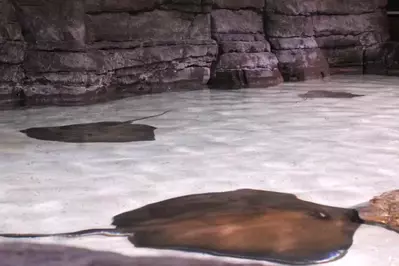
(328, 94)
(108, 131)
(245, 223)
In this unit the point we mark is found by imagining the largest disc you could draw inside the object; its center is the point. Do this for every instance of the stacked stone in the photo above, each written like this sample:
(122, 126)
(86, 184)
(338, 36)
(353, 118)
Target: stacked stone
(289, 28)
(12, 50)
(343, 30)
(56, 62)
(152, 45)
(244, 58)
(82, 51)
(349, 31)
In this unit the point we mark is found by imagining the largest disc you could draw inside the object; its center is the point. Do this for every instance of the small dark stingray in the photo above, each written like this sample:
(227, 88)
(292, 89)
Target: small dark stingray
(246, 223)
(328, 94)
(109, 131)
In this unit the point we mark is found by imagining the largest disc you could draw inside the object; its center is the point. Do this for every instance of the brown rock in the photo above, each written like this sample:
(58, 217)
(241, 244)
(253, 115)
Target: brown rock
(383, 209)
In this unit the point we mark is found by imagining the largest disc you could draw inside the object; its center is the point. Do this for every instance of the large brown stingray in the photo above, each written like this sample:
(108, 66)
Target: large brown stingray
(108, 131)
(328, 94)
(245, 223)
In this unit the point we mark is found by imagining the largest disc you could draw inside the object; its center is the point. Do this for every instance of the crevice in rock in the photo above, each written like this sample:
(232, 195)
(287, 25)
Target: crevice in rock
(320, 13)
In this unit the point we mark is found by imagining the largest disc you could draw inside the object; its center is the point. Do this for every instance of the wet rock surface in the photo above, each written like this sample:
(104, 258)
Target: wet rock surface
(78, 52)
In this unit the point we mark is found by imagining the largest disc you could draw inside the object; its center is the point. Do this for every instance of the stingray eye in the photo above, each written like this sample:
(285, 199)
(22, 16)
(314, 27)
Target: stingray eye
(323, 215)
(320, 215)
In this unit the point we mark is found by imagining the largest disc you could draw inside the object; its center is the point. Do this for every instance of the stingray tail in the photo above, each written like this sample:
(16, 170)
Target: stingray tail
(147, 117)
(88, 232)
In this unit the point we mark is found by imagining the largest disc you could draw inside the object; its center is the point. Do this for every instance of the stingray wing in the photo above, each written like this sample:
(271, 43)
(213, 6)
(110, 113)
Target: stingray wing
(197, 205)
(245, 223)
(288, 236)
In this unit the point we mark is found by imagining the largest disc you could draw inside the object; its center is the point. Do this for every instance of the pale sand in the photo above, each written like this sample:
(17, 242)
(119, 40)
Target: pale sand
(332, 151)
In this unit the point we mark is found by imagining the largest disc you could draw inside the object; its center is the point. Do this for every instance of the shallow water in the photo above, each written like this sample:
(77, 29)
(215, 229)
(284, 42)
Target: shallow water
(338, 152)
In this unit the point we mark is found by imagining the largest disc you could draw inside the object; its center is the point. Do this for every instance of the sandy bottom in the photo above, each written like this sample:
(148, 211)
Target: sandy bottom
(332, 151)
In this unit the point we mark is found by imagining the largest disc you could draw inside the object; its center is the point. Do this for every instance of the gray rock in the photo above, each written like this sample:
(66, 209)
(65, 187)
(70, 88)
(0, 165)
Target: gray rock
(248, 61)
(155, 25)
(96, 6)
(244, 47)
(115, 59)
(283, 26)
(382, 59)
(241, 21)
(346, 56)
(240, 70)
(11, 74)
(364, 39)
(350, 24)
(293, 43)
(12, 52)
(53, 24)
(302, 64)
(239, 4)
(50, 61)
(81, 50)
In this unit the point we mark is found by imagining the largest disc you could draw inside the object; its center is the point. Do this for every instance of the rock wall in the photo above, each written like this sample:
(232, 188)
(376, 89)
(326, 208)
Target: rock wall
(82, 51)
(244, 58)
(304, 34)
